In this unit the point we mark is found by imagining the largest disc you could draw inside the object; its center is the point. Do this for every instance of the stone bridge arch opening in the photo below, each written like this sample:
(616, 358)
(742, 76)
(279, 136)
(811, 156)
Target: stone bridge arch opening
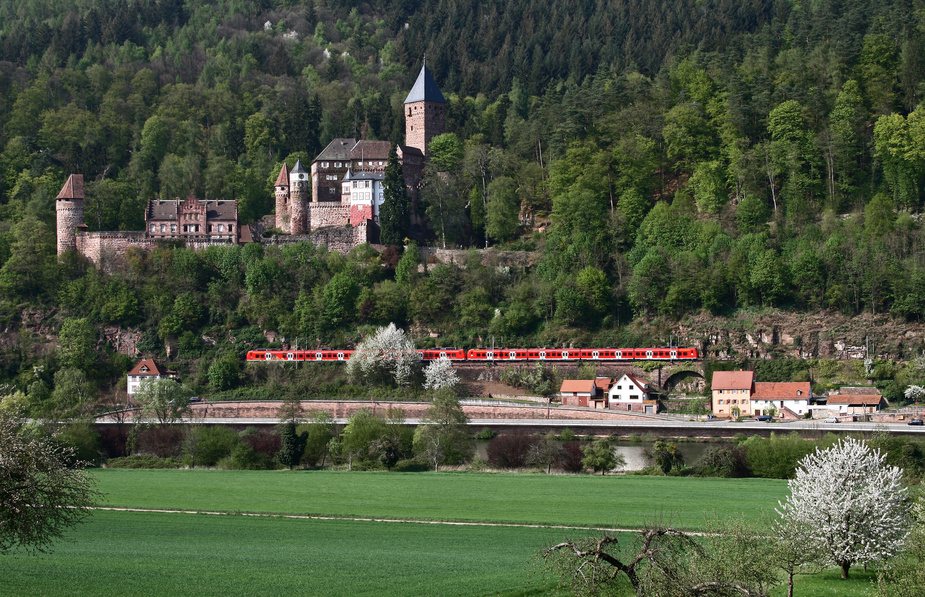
(688, 381)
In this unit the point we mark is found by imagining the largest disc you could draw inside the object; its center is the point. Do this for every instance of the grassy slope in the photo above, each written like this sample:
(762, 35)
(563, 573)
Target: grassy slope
(624, 502)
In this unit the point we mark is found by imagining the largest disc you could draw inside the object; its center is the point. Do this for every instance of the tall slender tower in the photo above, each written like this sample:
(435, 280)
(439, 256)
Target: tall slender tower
(282, 199)
(425, 112)
(69, 208)
(299, 195)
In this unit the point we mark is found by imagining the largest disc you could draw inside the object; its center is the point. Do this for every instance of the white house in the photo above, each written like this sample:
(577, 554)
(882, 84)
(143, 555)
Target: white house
(631, 393)
(144, 369)
(786, 399)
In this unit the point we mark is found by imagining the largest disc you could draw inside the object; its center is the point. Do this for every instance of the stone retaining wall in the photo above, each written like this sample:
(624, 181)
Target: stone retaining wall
(268, 409)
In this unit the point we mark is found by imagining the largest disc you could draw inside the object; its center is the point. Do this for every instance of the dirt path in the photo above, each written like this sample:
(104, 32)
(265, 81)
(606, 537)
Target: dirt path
(370, 519)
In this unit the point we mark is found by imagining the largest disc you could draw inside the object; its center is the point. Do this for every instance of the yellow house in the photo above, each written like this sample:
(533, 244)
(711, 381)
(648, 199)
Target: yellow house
(731, 393)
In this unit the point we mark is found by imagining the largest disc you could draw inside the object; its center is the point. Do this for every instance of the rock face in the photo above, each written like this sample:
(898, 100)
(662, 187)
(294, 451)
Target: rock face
(777, 334)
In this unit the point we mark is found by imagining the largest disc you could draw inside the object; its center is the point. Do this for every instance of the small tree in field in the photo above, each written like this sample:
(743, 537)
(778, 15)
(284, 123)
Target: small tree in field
(849, 505)
(387, 352)
(599, 456)
(40, 496)
(163, 399)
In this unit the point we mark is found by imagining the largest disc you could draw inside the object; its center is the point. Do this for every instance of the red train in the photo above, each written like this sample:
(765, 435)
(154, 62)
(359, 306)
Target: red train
(497, 354)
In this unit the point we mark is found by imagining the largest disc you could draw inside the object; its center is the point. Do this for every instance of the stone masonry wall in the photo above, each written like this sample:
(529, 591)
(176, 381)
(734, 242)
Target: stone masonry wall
(489, 258)
(322, 215)
(268, 409)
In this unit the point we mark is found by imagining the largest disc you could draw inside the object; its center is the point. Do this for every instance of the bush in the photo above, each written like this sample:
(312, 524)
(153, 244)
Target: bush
(113, 442)
(729, 462)
(776, 457)
(207, 445)
(570, 461)
(262, 441)
(245, 458)
(142, 461)
(163, 442)
(83, 439)
(485, 434)
(410, 465)
(509, 450)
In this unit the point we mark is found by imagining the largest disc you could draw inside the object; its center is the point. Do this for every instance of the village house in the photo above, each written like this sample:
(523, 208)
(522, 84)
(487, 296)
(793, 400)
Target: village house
(786, 400)
(192, 218)
(145, 369)
(579, 392)
(731, 393)
(632, 394)
(856, 401)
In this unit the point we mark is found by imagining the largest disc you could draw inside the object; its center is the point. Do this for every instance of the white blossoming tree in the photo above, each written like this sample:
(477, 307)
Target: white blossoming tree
(388, 352)
(915, 393)
(851, 506)
(440, 374)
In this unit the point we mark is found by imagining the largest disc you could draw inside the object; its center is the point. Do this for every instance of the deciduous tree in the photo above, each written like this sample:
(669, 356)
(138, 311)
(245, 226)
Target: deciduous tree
(40, 495)
(851, 506)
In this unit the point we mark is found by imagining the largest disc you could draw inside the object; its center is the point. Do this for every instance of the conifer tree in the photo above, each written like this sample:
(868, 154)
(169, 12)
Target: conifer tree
(395, 213)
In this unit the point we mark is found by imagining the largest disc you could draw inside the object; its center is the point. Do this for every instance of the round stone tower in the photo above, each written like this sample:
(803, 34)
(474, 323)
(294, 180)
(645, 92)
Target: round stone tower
(69, 208)
(282, 199)
(299, 196)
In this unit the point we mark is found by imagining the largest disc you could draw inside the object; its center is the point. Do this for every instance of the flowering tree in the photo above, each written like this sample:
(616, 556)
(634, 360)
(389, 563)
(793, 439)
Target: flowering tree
(914, 393)
(440, 374)
(850, 505)
(40, 495)
(386, 352)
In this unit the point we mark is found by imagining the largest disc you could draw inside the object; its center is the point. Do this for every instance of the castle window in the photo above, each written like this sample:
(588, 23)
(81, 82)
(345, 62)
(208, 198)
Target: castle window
(173, 227)
(153, 227)
(337, 164)
(163, 228)
(221, 227)
(380, 163)
(210, 228)
(230, 227)
(324, 164)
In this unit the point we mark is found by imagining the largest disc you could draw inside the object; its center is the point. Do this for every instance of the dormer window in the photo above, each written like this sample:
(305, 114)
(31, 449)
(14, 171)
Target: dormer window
(144, 368)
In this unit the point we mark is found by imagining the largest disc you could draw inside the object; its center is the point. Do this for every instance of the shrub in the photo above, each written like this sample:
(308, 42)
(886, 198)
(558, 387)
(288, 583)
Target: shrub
(245, 458)
(113, 442)
(262, 441)
(142, 461)
(727, 461)
(83, 439)
(485, 434)
(570, 461)
(410, 465)
(208, 445)
(509, 450)
(163, 442)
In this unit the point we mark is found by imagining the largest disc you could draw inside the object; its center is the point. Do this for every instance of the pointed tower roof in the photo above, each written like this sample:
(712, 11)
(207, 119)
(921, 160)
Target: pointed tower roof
(425, 89)
(73, 188)
(283, 179)
(299, 168)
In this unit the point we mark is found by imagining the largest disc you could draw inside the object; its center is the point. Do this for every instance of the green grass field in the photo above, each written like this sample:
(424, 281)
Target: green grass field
(575, 500)
(152, 553)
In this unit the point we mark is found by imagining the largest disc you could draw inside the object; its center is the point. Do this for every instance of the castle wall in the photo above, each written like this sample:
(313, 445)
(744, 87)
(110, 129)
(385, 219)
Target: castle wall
(322, 215)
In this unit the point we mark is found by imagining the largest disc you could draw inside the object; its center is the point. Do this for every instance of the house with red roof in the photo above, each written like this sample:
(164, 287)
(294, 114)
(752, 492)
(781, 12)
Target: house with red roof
(580, 392)
(145, 369)
(731, 393)
(787, 400)
(632, 394)
(856, 401)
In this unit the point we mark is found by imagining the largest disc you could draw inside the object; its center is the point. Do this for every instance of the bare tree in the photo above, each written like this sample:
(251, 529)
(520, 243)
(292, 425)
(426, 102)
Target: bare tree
(666, 562)
(40, 496)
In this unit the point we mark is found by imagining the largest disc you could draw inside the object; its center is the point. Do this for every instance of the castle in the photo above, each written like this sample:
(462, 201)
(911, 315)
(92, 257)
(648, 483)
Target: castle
(336, 203)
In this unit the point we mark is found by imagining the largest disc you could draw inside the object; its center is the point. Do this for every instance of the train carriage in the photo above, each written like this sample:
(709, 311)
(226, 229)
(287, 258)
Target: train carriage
(496, 354)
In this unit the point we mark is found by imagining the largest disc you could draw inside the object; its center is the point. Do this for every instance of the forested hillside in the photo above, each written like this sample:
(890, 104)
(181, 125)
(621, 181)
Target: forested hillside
(689, 157)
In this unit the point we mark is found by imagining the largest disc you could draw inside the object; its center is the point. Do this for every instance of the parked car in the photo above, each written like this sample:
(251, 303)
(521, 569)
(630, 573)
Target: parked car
(831, 420)
(763, 418)
(916, 422)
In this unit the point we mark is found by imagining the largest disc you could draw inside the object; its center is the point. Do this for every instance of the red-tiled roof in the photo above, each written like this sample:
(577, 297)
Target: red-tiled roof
(869, 400)
(858, 390)
(603, 383)
(782, 390)
(283, 179)
(733, 380)
(146, 367)
(578, 385)
(73, 188)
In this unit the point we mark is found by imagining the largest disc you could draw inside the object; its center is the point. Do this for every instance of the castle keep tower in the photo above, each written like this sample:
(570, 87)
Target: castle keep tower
(69, 208)
(282, 199)
(299, 195)
(425, 112)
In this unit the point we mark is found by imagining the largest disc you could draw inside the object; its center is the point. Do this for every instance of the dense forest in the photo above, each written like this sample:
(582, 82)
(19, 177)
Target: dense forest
(664, 158)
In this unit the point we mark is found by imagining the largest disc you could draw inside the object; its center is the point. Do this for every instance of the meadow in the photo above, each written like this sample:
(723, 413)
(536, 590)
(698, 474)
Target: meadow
(165, 553)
